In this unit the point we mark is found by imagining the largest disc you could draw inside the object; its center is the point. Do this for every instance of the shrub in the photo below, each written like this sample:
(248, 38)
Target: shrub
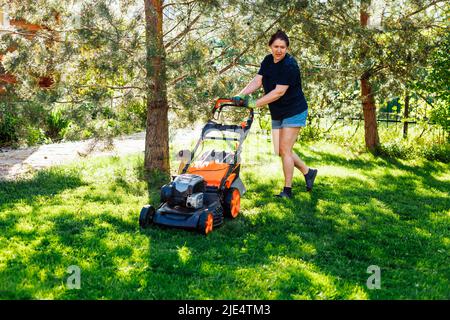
(436, 152)
(56, 125)
(8, 129)
(310, 133)
(34, 136)
(396, 149)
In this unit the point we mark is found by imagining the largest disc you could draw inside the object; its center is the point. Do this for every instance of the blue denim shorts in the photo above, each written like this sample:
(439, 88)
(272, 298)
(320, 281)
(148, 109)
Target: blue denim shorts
(298, 120)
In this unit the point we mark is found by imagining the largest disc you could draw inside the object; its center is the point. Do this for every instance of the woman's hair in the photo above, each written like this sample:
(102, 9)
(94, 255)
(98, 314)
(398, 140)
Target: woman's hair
(279, 35)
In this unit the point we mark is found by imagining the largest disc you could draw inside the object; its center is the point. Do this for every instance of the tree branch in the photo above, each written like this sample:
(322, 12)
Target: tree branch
(251, 45)
(422, 9)
(235, 60)
(179, 36)
(111, 87)
(176, 25)
(178, 4)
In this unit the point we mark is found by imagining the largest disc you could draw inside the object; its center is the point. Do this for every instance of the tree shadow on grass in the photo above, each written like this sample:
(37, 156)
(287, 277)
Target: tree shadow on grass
(375, 228)
(425, 172)
(46, 182)
(94, 243)
(317, 245)
(392, 224)
(29, 193)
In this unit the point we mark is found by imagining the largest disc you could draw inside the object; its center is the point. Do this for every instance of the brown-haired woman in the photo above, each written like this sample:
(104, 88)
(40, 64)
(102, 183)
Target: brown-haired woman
(279, 75)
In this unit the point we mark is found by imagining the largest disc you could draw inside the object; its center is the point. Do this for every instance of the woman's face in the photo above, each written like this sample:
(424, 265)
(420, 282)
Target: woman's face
(279, 49)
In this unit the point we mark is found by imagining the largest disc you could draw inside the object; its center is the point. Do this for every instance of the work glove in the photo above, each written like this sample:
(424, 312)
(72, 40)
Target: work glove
(238, 100)
(245, 101)
(249, 102)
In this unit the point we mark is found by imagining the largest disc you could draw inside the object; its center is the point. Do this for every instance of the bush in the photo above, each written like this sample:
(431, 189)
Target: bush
(396, 149)
(310, 133)
(34, 136)
(8, 129)
(56, 125)
(436, 152)
(134, 114)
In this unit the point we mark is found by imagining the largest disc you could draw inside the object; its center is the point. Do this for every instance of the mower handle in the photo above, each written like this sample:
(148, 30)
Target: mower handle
(226, 102)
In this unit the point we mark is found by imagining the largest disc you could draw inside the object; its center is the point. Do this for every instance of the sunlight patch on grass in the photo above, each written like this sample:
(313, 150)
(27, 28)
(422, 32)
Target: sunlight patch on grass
(422, 232)
(248, 210)
(125, 270)
(184, 254)
(21, 208)
(288, 278)
(432, 193)
(357, 293)
(443, 176)
(299, 244)
(24, 226)
(342, 172)
(316, 149)
(348, 219)
(376, 206)
(446, 242)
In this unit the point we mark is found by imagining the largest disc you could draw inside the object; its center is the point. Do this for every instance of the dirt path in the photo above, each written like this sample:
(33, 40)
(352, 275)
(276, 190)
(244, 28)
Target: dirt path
(18, 162)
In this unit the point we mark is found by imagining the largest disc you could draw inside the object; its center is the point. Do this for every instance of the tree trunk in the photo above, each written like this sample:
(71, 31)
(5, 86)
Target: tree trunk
(368, 101)
(157, 135)
(406, 116)
(370, 115)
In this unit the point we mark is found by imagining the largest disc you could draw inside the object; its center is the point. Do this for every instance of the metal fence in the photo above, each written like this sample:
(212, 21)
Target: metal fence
(386, 120)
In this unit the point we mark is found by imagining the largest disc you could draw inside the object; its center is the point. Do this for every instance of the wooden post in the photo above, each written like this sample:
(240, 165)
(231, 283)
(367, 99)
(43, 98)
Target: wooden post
(405, 116)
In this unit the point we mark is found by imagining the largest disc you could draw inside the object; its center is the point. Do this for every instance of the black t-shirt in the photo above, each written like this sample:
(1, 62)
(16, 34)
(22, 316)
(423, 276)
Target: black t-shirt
(284, 72)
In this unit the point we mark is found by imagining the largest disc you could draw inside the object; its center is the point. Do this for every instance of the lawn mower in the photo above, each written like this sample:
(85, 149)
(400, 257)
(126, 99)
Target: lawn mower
(208, 187)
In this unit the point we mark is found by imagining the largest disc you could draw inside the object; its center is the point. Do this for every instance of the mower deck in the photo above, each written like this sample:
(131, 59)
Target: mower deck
(186, 218)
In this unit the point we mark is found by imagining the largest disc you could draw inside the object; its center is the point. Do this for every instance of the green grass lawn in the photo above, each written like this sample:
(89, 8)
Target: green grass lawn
(363, 211)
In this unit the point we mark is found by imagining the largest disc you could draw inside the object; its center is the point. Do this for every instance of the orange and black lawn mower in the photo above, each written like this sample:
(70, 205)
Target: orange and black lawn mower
(208, 187)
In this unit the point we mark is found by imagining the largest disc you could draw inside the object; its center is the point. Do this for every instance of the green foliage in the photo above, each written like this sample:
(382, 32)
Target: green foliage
(423, 141)
(57, 125)
(22, 123)
(436, 152)
(8, 128)
(440, 115)
(310, 133)
(396, 149)
(133, 113)
(34, 135)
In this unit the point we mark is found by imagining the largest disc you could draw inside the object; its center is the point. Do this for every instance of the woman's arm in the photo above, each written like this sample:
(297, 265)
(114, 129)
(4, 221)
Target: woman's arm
(254, 85)
(272, 96)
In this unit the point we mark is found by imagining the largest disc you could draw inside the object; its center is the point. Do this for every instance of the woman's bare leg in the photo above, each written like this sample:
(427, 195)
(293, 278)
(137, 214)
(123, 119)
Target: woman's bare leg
(288, 136)
(298, 163)
(276, 141)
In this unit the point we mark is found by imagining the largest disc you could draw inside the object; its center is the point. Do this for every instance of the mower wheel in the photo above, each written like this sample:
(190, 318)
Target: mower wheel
(146, 216)
(232, 203)
(205, 223)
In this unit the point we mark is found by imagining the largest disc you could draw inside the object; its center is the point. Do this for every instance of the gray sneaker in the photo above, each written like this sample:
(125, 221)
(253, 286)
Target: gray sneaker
(309, 178)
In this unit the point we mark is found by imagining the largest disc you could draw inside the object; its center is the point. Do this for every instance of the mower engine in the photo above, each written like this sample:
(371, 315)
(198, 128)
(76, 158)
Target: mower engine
(186, 190)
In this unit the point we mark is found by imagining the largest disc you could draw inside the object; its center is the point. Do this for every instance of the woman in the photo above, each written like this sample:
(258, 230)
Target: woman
(279, 75)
